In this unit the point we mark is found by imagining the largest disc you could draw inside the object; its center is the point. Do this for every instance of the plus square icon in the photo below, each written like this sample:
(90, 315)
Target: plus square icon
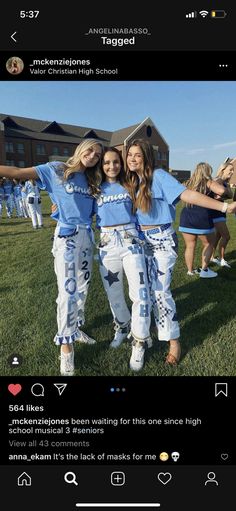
(117, 478)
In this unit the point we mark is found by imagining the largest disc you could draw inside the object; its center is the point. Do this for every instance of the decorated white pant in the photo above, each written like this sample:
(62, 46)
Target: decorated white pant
(120, 251)
(17, 202)
(35, 211)
(73, 257)
(24, 208)
(161, 254)
(9, 201)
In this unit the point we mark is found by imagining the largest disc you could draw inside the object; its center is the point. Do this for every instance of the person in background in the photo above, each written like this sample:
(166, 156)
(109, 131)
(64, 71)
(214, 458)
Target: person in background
(197, 222)
(34, 203)
(222, 235)
(17, 197)
(8, 196)
(23, 201)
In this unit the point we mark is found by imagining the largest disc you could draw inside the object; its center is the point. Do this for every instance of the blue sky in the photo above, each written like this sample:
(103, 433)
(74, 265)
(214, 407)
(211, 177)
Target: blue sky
(196, 118)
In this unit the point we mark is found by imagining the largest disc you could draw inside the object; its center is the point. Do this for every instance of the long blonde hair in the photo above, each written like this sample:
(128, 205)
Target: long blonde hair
(143, 199)
(222, 167)
(201, 176)
(73, 164)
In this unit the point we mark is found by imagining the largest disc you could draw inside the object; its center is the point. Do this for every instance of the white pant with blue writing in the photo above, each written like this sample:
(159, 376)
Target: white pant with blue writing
(120, 251)
(161, 253)
(9, 204)
(35, 211)
(73, 258)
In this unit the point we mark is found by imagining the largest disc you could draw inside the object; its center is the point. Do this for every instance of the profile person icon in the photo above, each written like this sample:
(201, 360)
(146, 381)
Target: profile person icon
(211, 478)
(14, 65)
(15, 361)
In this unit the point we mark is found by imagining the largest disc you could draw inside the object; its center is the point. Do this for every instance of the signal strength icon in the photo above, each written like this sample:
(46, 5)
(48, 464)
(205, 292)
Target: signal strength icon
(192, 14)
(203, 13)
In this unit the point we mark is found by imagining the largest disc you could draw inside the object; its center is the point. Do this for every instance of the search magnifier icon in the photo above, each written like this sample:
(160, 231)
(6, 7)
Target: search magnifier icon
(70, 477)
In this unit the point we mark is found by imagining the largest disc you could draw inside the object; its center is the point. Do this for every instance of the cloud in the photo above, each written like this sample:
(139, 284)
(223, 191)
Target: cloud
(188, 151)
(202, 149)
(226, 144)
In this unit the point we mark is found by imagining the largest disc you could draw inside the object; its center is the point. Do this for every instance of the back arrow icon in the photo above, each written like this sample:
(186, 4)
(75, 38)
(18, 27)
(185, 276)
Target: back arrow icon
(12, 37)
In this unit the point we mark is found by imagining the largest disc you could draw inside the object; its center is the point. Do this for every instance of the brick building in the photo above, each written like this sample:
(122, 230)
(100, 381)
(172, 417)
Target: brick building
(25, 142)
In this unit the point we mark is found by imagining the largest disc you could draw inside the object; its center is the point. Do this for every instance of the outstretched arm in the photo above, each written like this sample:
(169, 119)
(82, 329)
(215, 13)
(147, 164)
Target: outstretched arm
(18, 172)
(198, 199)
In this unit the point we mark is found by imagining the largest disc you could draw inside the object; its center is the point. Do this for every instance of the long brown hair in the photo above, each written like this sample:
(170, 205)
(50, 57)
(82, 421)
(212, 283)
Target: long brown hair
(73, 164)
(139, 187)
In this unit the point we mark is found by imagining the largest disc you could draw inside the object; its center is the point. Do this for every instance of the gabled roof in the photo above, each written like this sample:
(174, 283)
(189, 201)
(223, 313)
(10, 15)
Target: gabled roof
(53, 127)
(9, 122)
(50, 130)
(53, 131)
(119, 136)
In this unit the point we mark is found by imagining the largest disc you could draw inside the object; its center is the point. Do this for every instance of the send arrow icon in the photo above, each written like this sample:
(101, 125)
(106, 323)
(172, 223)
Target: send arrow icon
(60, 387)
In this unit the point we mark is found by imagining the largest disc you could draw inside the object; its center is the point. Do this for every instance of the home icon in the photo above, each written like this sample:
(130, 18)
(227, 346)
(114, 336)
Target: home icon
(24, 480)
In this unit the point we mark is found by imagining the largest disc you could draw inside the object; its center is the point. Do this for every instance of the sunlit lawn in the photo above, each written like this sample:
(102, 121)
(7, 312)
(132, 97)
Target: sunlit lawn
(206, 310)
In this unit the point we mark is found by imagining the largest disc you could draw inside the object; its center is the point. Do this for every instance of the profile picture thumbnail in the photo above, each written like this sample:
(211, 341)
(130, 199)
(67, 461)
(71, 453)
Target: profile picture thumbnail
(14, 65)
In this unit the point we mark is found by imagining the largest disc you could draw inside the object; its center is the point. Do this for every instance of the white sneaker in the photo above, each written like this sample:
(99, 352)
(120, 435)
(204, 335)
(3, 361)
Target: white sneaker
(207, 273)
(118, 339)
(195, 271)
(223, 262)
(137, 357)
(84, 338)
(120, 335)
(215, 260)
(67, 366)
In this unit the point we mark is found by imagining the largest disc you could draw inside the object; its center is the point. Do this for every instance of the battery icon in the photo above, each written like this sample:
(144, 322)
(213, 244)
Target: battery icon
(218, 14)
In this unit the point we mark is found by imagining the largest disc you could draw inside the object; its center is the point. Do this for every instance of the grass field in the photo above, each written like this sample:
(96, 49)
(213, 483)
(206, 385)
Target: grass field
(205, 307)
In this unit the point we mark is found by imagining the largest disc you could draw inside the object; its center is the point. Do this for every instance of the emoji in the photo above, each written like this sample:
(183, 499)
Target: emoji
(164, 456)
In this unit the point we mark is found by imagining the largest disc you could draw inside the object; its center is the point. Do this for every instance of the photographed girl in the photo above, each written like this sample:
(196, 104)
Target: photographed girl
(121, 251)
(72, 185)
(155, 194)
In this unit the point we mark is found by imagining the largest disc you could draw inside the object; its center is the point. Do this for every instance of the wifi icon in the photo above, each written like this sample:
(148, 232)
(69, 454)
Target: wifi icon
(203, 13)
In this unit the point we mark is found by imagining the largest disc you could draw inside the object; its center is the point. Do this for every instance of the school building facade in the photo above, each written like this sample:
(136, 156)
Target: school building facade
(25, 142)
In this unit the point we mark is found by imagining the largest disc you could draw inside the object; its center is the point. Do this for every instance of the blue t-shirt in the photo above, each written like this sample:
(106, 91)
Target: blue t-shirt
(8, 187)
(23, 192)
(17, 191)
(73, 197)
(1, 192)
(32, 189)
(165, 194)
(113, 206)
(29, 188)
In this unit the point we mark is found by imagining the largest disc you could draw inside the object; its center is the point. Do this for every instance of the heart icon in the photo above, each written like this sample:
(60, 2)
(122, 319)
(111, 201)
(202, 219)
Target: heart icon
(224, 456)
(164, 477)
(14, 388)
